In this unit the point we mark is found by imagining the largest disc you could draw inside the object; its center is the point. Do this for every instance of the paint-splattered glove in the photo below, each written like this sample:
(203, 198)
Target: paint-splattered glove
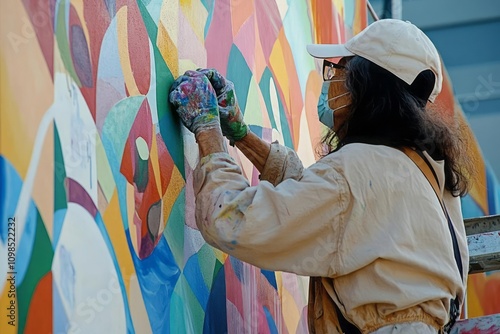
(195, 101)
(231, 118)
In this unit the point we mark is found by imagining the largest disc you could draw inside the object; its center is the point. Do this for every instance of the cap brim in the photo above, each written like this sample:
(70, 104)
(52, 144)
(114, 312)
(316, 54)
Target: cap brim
(328, 50)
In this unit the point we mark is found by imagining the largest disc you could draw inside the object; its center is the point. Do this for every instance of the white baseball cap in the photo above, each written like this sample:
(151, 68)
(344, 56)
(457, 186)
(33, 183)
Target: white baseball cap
(397, 46)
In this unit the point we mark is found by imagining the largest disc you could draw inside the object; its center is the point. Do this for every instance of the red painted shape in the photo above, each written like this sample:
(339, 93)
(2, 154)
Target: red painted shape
(138, 46)
(166, 163)
(269, 24)
(97, 20)
(41, 13)
(39, 319)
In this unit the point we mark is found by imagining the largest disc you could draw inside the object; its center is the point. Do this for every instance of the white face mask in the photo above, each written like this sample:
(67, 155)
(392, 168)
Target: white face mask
(325, 113)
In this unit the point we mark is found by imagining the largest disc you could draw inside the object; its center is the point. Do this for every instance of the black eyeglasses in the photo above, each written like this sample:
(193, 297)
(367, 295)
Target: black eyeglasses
(330, 69)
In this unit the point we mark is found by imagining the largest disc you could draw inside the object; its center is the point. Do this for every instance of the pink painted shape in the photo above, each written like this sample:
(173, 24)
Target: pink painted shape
(269, 24)
(188, 44)
(245, 41)
(138, 47)
(489, 324)
(219, 38)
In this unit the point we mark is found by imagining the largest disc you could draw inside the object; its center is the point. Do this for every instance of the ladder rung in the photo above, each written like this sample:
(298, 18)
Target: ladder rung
(482, 224)
(484, 252)
(484, 324)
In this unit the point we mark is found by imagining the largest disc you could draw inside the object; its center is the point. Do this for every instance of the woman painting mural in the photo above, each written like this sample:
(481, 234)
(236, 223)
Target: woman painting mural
(376, 222)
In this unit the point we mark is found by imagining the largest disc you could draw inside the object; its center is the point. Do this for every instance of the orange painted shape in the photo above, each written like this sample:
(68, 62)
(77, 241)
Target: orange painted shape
(240, 12)
(118, 239)
(39, 319)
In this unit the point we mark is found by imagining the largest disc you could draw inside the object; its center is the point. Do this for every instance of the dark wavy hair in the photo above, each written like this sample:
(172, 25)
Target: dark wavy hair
(386, 110)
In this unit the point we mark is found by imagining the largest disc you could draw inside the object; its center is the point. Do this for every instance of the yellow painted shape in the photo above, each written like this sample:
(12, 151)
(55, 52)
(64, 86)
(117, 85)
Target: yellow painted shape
(339, 6)
(153, 156)
(43, 183)
(289, 308)
(138, 311)
(197, 15)
(174, 188)
(278, 65)
(130, 192)
(5, 302)
(23, 73)
(169, 19)
(123, 51)
(474, 308)
(186, 64)
(168, 50)
(118, 239)
(479, 189)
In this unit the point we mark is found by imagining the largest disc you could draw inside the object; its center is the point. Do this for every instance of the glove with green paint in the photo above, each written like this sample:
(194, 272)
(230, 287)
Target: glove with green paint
(231, 118)
(195, 101)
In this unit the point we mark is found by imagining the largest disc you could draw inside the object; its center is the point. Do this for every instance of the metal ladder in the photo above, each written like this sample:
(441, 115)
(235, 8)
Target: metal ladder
(483, 238)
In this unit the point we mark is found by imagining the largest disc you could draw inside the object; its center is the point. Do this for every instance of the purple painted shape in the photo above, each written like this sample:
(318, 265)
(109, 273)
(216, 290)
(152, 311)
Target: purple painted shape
(219, 37)
(77, 194)
(269, 23)
(81, 57)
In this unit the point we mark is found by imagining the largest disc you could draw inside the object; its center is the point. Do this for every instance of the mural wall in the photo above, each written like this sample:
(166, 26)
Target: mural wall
(96, 171)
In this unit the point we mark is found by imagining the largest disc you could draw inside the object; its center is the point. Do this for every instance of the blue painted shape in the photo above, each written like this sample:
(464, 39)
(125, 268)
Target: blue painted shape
(239, 73)
(470, 209)
(59, 317)
(178, 325)
(256, 129)
(10, 189)
(209, 5)
(215, 312)
(157, 275)
(270, 321)
(192, 273)
(59, 216)
(271, 277)
(493, 191)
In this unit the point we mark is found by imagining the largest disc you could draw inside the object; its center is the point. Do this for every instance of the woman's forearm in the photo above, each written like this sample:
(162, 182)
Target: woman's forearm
(255, 149)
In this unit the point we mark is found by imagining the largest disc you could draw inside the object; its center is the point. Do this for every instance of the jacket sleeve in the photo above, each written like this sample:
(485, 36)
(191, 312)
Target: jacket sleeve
(282, 163)
(293, 227)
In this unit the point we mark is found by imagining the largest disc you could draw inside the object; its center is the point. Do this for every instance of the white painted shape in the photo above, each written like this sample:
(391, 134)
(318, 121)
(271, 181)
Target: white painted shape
(96, 304)
(305, 148)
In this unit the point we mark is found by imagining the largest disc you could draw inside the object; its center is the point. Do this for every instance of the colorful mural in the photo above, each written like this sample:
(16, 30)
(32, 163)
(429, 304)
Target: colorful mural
(96, 171)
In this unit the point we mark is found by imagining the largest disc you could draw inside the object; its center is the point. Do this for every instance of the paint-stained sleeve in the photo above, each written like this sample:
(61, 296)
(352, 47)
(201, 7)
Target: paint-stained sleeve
(294, 226)
(282, 163)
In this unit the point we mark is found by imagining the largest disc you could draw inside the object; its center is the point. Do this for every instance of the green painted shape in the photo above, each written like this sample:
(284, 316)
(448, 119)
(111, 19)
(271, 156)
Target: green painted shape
(253, 112)
(265, 88)
(60, 200)
(174, 231)
(206, 260)
(40, 264)
(217, 267)
(104, 173)
(186, 308)
(119, 121)
(170, 127)
(239, 73)
(62, 39)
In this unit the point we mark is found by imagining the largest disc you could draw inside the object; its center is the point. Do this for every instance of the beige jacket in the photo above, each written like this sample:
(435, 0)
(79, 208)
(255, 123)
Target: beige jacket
(364, 218)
